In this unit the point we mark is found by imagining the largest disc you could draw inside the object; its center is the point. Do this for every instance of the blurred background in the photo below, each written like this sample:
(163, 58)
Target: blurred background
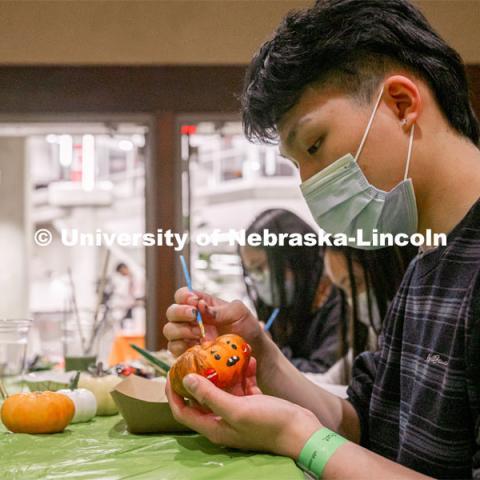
(122, 116)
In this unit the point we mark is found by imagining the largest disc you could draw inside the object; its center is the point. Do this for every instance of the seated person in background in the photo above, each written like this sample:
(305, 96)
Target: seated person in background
(292, 278)
(369, 280)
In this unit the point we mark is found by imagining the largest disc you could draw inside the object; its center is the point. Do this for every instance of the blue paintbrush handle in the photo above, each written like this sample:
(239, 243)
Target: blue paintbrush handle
(271, 319)
(185, 273)
(189, 285)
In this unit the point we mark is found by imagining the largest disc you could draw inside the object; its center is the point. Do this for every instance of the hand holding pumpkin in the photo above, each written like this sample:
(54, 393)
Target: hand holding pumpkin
(249, 422)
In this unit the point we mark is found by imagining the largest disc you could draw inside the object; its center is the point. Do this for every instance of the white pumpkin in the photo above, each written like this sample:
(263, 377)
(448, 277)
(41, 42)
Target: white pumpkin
(85, 404)
(101, 387)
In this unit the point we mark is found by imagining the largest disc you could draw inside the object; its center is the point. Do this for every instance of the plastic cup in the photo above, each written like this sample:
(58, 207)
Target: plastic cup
(79, 350)
(13, 346)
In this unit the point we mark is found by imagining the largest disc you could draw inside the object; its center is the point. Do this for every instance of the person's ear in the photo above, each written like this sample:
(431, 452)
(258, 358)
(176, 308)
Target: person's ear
(404, 99)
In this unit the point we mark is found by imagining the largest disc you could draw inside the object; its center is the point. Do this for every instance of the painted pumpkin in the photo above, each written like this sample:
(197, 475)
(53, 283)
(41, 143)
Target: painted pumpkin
(37, 412)
(223, 361)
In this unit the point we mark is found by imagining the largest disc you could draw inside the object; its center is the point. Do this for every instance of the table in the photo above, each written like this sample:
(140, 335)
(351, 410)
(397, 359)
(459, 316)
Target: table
(104, 450)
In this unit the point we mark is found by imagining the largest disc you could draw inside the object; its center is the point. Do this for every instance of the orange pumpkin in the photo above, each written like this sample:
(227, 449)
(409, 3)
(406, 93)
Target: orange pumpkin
(37, 412)
(223, 361)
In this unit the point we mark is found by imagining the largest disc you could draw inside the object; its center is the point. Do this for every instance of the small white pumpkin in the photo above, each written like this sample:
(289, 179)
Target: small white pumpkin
(84, 400)
(101, 384)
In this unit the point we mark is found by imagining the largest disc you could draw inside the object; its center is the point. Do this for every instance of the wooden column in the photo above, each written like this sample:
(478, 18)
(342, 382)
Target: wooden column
(162, 195)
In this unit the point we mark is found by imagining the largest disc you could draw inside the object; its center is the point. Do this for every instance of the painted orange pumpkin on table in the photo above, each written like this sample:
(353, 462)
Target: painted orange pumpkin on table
(223, 361)
(37, 412)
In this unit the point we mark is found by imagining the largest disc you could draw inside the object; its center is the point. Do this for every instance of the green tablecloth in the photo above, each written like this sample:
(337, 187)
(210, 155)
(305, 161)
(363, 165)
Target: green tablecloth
(103, 449)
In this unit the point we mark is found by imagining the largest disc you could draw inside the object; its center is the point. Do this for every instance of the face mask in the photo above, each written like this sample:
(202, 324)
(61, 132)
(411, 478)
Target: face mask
(362, 310)
(271, 296)
(342, 200)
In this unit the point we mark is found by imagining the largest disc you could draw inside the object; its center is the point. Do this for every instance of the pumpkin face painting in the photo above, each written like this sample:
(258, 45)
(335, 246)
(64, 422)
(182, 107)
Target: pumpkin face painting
(223, 361)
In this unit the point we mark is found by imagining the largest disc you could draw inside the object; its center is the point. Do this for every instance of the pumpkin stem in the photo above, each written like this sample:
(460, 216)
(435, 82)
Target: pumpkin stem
(74, 382)
(96, 370)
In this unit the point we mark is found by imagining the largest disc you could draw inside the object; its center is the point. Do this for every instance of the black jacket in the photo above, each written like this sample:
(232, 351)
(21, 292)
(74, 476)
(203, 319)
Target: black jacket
(320, 349)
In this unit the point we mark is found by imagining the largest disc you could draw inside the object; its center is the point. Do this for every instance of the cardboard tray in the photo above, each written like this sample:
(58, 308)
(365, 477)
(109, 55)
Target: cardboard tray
(49, 380)
(144, 406)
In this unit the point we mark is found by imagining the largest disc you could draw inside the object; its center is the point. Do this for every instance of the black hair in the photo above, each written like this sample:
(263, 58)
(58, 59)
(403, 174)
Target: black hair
(383, 270)
(352, 45)
(305, 262)
(120, 266)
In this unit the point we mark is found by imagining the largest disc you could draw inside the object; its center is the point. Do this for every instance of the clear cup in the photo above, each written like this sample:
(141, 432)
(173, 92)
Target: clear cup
(13, 346)
(79, 345)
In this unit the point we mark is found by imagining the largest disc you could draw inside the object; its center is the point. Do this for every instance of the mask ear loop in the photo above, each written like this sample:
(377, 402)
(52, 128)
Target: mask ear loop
(367, 130)
(409, 154)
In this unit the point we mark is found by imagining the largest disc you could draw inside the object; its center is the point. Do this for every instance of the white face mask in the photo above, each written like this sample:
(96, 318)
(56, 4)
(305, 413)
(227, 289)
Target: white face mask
(342, 200)
(269, 294)
(362, 310)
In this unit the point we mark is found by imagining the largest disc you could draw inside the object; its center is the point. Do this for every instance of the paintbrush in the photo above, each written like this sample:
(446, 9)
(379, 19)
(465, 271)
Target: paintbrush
(3, 391)
(151, 358)
(189, 285)
(271, 319)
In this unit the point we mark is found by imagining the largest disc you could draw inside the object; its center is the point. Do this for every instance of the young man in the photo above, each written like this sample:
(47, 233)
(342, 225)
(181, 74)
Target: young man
(330, 76)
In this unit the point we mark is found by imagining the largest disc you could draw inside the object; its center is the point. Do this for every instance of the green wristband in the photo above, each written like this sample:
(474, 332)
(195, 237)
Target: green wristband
(318, 450)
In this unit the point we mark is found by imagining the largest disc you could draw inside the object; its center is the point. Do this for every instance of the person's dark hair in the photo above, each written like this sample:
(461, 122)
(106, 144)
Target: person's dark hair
(352, 44)
(305, 262)
(120, 266)
(383, 271)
